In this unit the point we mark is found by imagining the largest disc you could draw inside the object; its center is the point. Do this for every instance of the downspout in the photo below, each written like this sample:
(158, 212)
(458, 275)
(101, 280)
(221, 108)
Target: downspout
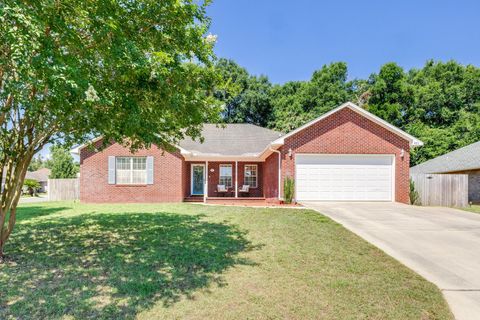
(279, 170)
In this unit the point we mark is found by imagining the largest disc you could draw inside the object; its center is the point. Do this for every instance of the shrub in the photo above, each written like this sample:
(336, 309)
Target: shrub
(288, 189)
(32, 186)
(414, 196)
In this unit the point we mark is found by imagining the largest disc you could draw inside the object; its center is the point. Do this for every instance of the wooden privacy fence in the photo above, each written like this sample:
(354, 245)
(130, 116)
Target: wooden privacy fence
(63, 189)
(449, 190)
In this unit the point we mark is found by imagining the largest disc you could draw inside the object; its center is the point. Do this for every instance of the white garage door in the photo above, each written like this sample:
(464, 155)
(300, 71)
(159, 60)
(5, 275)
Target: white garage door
(344, 177)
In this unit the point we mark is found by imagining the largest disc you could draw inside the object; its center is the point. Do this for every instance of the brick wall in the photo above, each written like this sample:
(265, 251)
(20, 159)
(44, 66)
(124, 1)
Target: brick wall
(347, 132)
(270, 177)
(254, 192)
(168, 185)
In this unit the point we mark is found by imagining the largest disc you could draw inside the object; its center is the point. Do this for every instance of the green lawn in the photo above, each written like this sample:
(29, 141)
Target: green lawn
(188, 261)
(473, 208)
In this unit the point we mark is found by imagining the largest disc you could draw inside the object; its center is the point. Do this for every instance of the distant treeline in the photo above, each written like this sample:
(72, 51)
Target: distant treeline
(439, 103)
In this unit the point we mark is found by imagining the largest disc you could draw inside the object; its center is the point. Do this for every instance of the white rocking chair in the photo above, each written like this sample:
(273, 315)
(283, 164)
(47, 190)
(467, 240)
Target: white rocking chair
(245, 189)
(221, 188)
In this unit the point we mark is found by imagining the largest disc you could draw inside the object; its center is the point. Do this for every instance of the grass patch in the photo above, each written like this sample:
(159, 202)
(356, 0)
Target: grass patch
(187, 261)
(473, 208)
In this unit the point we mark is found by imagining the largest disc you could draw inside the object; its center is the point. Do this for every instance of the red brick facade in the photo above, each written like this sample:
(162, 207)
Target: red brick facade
(167, 181)
(344, 132)
(347, 132)
(270, 177)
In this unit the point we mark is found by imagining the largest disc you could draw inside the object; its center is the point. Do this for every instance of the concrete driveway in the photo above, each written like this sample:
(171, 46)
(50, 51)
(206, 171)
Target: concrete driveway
(441, 244)
(41, 198)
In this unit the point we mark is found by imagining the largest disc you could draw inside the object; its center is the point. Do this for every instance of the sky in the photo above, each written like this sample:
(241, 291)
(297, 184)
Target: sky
(288, 40)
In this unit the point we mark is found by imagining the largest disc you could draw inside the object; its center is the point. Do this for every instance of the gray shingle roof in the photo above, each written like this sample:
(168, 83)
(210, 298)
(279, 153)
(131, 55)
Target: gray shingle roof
(232, 140)
(466, 158)
(39, 175)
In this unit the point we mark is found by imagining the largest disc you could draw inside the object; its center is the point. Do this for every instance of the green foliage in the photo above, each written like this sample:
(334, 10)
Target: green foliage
(137, 72)
(288, 189)
(108, 68)
(61, 164)
(390, 94)
(296, 103)
(37, 163)
(32, 186)
(439, 104)
(246, 98)
(31, 183)
(414, 196)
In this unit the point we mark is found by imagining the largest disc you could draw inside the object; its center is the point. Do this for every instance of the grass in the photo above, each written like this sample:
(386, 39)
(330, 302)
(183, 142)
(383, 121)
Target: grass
(188, 261)
(473, 208)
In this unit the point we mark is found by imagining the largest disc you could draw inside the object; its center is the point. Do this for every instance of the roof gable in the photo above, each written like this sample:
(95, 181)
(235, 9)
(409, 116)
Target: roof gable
(411, 139)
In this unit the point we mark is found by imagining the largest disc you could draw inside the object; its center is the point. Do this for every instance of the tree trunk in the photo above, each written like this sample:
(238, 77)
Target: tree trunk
(10, 195)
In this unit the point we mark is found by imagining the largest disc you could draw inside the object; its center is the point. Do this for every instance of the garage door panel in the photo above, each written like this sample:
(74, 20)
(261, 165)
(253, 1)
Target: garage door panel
(344, 177)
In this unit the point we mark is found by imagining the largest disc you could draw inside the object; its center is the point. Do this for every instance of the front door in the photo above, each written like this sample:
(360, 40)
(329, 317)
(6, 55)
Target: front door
(198, 179)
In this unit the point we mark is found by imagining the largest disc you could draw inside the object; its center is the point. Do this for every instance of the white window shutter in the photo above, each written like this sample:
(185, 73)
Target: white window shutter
(111, 170)
(149, 170)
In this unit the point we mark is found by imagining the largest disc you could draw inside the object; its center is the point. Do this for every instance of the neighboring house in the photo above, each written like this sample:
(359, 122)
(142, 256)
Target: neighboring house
(465, 160)
(347, 154)
(41, 175)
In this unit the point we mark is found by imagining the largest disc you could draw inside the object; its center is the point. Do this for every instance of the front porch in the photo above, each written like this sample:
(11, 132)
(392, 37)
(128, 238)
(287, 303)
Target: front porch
(224, 181)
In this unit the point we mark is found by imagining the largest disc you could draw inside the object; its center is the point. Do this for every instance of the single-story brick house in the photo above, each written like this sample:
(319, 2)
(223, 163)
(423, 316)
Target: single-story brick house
(465, 160)
(347, 154)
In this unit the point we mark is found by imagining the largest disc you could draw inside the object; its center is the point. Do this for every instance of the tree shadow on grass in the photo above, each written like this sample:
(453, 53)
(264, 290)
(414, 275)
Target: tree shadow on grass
(114, 265)
(32, 212)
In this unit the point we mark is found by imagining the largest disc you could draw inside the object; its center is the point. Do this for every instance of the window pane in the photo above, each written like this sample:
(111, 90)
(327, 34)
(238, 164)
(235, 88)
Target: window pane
(131, 170)
(123, 176)
(250, 175)
(227, 181)
(225, 170)
(225, 175)
(123, 163)
(139, 176)
(139, 163)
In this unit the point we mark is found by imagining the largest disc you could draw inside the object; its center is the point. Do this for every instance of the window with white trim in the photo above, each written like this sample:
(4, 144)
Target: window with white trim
(225, 175)
(250, 175)
(131, 170)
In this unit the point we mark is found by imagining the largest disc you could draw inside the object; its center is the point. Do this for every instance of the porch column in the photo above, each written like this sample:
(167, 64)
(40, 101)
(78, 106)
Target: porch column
(236, 179)
(205, 192)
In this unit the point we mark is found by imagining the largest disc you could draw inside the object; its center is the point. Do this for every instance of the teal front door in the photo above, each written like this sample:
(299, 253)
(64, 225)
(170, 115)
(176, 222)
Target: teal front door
(198, 179)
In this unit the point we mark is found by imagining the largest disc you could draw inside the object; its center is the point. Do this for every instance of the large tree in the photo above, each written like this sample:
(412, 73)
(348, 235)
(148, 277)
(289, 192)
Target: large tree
(245, 98)
(390, 95)
(298, 102)
(439, 104)
(134, 71)
(61, 164)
